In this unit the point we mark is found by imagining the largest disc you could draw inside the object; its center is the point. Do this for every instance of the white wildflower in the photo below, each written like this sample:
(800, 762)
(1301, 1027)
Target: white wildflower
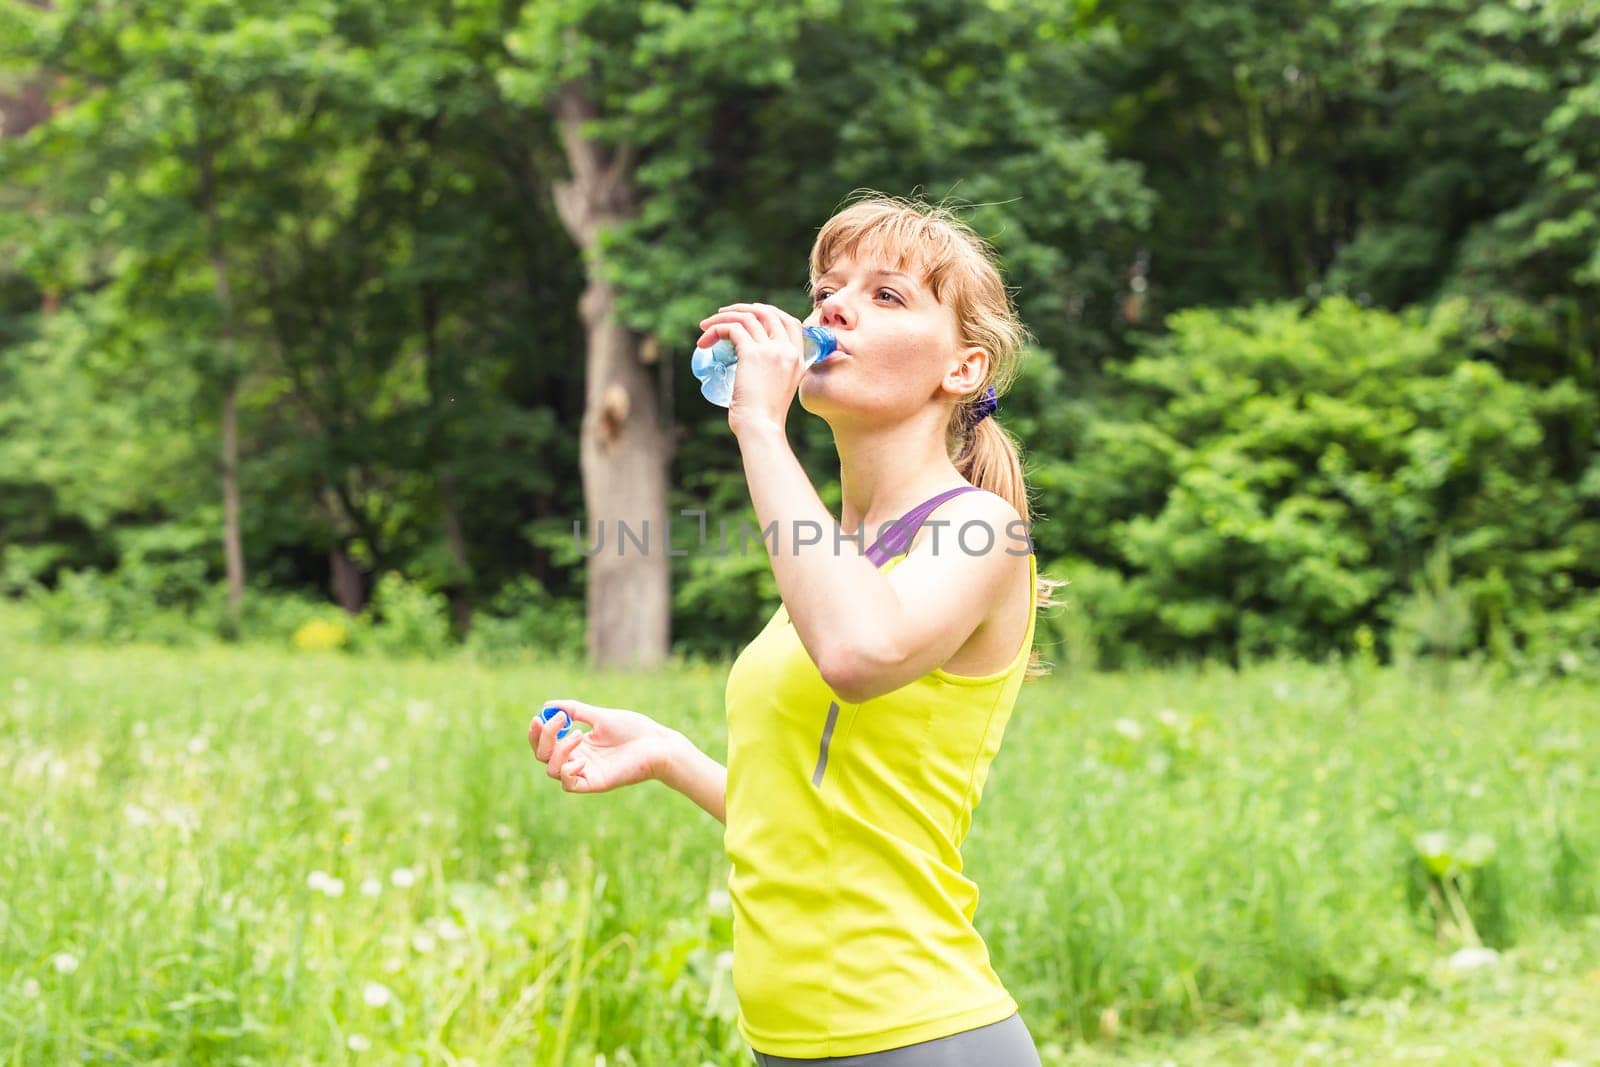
(1472, 959)
(64, 962)
(357, 1043)
(139, 817)
(423, 942)
(30, 989)
(371, 887)
(376, 994)
(402, 878)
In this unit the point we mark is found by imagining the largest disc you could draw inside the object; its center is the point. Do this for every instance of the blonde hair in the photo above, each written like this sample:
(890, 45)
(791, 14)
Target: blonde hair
(962, 271)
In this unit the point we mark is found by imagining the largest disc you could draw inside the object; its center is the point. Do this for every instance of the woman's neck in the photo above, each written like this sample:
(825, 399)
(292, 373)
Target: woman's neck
(885, 471)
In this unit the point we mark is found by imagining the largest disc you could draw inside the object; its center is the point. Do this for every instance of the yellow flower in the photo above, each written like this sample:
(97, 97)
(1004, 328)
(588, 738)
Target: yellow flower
(320, 635)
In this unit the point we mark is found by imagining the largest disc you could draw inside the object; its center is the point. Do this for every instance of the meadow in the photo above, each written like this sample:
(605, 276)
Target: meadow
(257, 856)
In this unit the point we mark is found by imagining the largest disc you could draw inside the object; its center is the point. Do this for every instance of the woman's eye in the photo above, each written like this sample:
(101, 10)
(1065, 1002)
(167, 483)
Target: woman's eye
(819, 295)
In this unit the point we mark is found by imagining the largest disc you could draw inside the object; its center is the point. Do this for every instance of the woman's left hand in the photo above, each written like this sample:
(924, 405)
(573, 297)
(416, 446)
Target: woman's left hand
(771, 361)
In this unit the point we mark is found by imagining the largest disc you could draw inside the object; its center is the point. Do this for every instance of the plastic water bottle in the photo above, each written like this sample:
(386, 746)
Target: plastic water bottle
(714, 366)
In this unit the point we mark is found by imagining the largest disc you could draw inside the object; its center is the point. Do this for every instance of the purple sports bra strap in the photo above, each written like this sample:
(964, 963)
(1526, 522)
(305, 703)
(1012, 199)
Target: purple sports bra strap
(900, 533)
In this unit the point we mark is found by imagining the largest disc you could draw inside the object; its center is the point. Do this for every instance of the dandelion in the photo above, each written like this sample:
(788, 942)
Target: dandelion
(719, 903)
(316, 880)
(371, 887)
(381, 764)
(448, 930)
(30, 989)
(357, 1043)
(198, 744)
(423, 942)
(377, 995)
(402, 878)
(64, 962)
(1128, 728)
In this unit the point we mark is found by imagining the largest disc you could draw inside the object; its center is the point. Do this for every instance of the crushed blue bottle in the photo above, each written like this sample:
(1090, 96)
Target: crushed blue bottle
(715, 366)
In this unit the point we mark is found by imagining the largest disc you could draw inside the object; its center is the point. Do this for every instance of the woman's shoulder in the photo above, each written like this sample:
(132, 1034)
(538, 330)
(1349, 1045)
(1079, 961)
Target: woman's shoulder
(970, 521)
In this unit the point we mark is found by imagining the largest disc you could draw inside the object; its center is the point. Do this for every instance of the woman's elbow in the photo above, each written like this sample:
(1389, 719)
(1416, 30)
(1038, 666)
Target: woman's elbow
(858, 675)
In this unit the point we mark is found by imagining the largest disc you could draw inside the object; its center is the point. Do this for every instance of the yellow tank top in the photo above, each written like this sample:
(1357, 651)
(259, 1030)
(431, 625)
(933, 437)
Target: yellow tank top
(852, 922)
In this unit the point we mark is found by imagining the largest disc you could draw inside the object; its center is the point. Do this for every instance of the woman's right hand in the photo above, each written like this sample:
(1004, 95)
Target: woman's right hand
(620, 748)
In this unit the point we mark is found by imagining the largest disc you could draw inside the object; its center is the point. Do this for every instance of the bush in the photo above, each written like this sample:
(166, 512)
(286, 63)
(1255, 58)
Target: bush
(1275, 480)
(524, 617)
(404, 619)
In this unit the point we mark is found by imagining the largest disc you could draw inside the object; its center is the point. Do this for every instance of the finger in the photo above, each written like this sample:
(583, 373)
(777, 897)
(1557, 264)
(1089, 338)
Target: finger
(747, 319)
(743, 340)
(757, 309)
(573, 778)
(561, 754)
(771, 319)
(547, 737)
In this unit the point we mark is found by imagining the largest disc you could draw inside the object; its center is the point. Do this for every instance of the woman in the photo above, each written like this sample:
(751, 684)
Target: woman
(862, 721)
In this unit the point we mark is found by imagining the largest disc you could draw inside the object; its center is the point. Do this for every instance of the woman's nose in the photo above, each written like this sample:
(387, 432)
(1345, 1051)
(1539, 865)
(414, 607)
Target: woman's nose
(834, 311)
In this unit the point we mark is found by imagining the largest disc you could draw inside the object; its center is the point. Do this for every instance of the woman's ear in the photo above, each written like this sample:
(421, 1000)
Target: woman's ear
(969, 370)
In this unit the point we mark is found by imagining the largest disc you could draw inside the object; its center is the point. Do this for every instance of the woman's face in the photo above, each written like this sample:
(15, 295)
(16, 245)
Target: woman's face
(897, 344)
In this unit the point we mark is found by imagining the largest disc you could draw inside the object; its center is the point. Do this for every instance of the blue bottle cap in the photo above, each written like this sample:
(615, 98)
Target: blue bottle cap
(549, 713)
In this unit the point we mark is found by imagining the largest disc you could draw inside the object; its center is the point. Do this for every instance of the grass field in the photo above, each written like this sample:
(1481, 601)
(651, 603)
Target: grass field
(257, 856)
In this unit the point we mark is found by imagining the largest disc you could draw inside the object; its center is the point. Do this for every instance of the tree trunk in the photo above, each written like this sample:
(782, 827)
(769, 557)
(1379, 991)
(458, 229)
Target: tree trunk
(440, 398)
(346, 580)
(625, 452)
(232, 539)
(460, 596)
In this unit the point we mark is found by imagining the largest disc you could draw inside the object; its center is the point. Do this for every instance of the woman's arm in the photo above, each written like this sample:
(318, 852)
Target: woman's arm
(697, 776)
(815, 579)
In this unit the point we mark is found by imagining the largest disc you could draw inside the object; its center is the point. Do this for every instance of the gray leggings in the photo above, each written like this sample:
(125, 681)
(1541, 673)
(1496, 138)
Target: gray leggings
(1006, 1043)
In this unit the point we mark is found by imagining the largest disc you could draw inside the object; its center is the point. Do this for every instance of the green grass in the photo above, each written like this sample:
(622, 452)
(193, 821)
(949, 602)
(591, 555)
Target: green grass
(1195, 866)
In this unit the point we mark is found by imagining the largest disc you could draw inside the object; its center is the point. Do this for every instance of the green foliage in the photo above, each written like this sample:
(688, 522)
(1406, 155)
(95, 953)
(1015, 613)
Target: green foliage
(525, 618)
(1279, 477)
(405, 618)
(376, 183)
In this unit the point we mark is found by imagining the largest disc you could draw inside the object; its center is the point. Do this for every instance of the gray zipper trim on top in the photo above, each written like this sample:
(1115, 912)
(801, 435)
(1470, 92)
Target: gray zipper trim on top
(827, 736)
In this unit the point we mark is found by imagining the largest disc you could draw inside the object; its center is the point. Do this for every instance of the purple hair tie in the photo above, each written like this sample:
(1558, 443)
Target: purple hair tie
(984, 408)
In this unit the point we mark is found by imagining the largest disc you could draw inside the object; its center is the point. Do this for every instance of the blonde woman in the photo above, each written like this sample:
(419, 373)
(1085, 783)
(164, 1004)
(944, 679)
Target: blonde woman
(863, 719)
